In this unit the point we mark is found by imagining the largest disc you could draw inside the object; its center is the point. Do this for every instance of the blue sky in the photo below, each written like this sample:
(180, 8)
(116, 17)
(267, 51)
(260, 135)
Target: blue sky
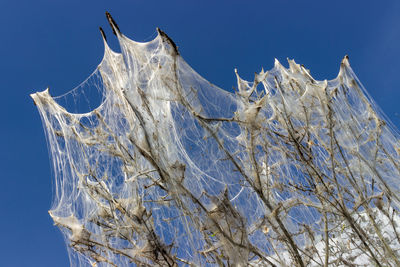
(58, 44)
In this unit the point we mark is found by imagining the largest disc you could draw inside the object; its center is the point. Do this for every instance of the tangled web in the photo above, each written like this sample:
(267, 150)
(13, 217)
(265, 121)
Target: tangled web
(171, 170)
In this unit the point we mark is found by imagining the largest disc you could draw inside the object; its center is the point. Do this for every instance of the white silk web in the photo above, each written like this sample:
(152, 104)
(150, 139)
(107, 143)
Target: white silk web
(172, 170)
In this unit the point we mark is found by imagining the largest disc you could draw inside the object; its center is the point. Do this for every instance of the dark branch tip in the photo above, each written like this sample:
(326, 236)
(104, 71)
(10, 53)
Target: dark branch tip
(113, 24)
(103, 34)
(169, 40)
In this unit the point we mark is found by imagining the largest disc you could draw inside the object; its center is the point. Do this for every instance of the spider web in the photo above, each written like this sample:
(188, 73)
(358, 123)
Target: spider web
(170, 161)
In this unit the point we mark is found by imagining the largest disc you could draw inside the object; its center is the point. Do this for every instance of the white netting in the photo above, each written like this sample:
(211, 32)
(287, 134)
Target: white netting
(170, 169)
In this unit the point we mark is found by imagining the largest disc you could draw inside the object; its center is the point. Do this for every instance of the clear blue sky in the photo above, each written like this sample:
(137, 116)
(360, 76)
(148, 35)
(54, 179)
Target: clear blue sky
(57, 44)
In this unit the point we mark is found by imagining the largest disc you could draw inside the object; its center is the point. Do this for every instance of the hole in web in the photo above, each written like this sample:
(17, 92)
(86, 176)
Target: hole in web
(84, 98)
